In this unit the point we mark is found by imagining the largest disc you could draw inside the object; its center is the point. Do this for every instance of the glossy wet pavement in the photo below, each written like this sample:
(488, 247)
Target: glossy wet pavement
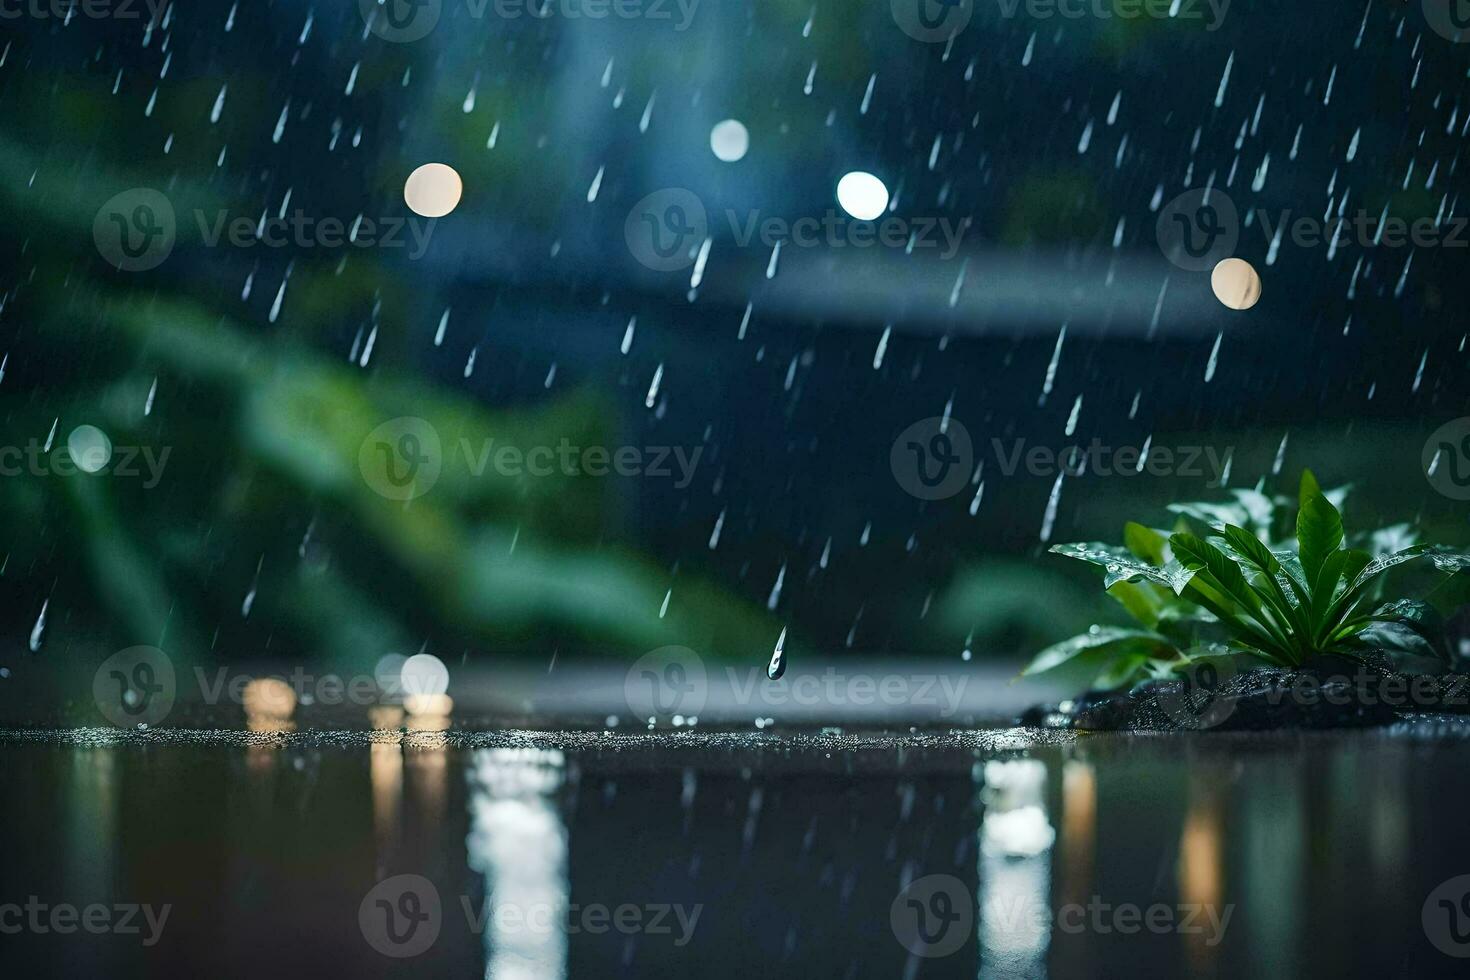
(1000, 853)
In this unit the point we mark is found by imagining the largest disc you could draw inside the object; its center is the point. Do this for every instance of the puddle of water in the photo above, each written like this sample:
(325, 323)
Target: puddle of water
(526, 854)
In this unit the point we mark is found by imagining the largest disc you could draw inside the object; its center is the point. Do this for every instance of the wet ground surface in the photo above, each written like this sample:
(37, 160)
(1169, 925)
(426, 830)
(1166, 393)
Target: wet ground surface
(801, 853)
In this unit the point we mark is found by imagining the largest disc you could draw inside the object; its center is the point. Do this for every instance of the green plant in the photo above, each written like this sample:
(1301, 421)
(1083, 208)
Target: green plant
(1239, 589)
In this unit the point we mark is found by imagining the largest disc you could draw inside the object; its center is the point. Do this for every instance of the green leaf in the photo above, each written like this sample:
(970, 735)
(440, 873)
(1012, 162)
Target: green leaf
(1309, 488)
(1252, 552)
(1101, 645)
(1146, 544)
(1318, 533)
(1211, 514)
(1409, 649)
(1140, 599)
(1218, 584)
(1202, 558)
(1118, 564)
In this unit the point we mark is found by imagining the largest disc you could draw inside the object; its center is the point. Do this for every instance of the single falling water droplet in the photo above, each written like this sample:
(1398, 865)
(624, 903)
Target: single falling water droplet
(882, 346)
(596, 185)
(959, 284)
(1072, 419)
(469, 364)
(443, 322)
(1049, 519)
(628, 335)
(1051, 368)
(775, 596)
(777, 666)
(868, 95)
(1280, 456)
(658, 376)
(249, 602)
(775, 258)
(1214, 358)
(1224, 81)
(647, 113)
(714, 537)
(663, 609)
(979, 495)
(39, 628)
(367, 351)
(51, 436)
(219, 105)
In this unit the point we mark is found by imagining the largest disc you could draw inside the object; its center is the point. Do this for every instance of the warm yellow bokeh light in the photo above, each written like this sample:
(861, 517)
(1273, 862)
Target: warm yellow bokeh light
(1236, 284)
(433, 190)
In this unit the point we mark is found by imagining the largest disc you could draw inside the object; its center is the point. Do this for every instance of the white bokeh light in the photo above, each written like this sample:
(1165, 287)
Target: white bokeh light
(424, 673)
(862, 195)
(729, 140)
(89, 448)
(433, 190)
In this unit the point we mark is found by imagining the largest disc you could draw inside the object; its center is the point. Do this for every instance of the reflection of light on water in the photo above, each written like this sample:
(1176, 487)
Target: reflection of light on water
(1201, 848)
(1015, 874)
(519, 842)
(386, 768)
(1075, 864)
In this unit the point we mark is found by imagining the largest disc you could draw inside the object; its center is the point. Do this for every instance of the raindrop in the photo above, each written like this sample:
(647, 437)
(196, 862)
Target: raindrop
(777, 666)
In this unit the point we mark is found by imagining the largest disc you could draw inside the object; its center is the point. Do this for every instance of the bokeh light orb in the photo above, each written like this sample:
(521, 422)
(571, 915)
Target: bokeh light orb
(862, 195)
(433, 190)
(424, 673)
(1236, 284)
(89, 448)
(729, 140)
